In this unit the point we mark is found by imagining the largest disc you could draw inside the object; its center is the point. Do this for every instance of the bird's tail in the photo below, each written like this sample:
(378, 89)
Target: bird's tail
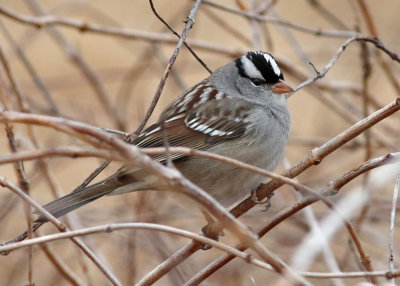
(76, 199)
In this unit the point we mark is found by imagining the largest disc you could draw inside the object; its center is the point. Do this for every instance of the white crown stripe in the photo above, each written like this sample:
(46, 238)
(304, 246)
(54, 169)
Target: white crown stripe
(250, 69)
(273, 63)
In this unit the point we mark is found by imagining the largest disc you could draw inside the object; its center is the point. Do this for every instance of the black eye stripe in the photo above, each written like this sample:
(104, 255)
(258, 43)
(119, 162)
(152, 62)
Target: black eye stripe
(257, 81)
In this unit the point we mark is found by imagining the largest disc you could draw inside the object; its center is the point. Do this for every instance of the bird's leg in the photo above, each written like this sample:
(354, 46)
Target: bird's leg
(208, 230)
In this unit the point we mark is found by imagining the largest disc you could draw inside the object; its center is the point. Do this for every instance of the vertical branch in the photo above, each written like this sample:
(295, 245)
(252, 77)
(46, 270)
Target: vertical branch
(185, 32)
(374, 32)
(366, 72)
(19, 165)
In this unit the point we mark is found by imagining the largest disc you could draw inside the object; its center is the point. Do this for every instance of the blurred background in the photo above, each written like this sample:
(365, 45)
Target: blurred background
(108, 80)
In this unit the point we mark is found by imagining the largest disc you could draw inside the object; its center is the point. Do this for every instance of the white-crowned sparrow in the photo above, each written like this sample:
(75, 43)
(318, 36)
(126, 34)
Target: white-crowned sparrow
(239, 111)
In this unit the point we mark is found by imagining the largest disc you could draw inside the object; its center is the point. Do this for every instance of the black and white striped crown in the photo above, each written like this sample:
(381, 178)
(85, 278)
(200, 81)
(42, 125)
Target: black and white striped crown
(259, 65)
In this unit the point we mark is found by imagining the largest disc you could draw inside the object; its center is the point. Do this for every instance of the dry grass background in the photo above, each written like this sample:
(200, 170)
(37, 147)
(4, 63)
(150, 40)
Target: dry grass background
(130, 70)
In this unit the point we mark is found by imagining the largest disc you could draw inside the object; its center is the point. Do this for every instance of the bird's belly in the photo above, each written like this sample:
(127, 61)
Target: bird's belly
(228, 183)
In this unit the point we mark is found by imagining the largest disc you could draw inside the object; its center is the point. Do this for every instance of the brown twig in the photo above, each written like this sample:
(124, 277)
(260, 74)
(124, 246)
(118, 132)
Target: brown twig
(176, 34)
(68, 151)
(258, 17)
(124, 226)
(49, 20)
(374, 32)
(323, 72)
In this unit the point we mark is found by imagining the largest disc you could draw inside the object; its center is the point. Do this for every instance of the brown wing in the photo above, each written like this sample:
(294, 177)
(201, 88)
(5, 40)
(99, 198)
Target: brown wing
(201, 128)
(178, 135)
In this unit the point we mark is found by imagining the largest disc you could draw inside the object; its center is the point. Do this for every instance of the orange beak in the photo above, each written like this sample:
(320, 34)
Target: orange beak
(281, 87)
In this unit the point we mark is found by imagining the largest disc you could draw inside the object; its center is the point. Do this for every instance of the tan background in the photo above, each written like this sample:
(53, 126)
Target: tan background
(129, 254)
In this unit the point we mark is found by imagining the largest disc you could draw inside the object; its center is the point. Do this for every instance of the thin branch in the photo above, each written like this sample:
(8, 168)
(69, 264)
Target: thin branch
(387, 274)
(108, 228)
(339, 52)
(68, 151)
(50, 20)
(374, 32)
(188, 26)
(258, 17)
(176, 34)
(82, 26)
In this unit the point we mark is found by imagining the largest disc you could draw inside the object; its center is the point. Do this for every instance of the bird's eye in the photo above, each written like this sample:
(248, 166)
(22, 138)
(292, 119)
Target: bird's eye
(257, 81)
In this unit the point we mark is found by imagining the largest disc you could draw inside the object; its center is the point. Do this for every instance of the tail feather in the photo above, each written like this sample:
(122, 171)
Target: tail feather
(76, 199)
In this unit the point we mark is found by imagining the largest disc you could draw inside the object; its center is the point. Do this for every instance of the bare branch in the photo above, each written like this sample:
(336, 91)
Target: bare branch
(188, 26)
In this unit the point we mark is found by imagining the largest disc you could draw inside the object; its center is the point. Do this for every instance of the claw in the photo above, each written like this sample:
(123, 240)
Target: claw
(266, 202)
